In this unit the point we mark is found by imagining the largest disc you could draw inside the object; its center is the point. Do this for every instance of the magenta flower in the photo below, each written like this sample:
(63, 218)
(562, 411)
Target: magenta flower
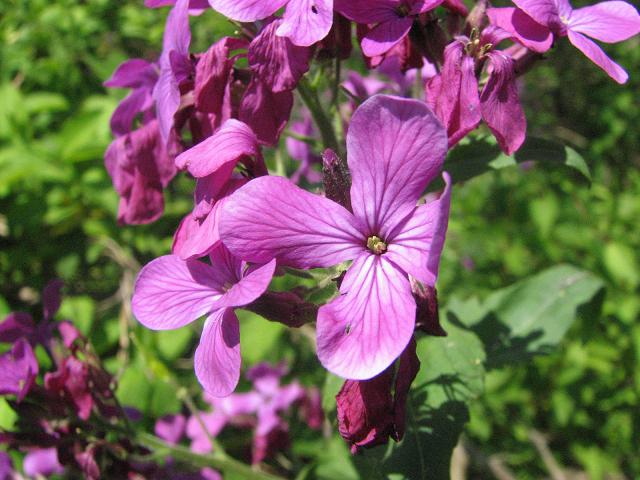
(140, 169)
(522, 28)
(272, 432)
(171, 293)
(171, 428)
(609, 22)
(394, 19)
(396, 147)
(42, 462)
(454, 97)
(18, 370)
(212, 162)
(141, 76)
(305, 22)
(175, 66)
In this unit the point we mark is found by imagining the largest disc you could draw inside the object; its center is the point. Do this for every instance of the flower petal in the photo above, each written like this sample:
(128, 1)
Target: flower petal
(608, 22)
(368, 11)
(385, 36)
(522, 27)
(306, 21)
(270, 217)
(416, 248)
(276, 60)
(133, 73)
(198, 234)
(217, 359)
(247, 10)
(18, 369)
(170, 292)
(365, 329)
(245, 288)
(500, 104)
(266, 112)
(395, 148)
(229, 144)
(597, 56)
(125, 113)
(546, 12)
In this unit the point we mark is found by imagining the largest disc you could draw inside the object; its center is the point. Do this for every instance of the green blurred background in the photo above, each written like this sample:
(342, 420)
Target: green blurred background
(58, 210)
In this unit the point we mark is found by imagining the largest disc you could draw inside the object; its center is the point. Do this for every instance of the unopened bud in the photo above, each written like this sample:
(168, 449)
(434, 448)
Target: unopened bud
(287, 308)
(336, 178)
(427, 315)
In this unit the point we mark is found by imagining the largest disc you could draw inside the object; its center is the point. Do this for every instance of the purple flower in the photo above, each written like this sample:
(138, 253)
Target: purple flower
(18, 370)
(175, 66)
(305, 22)
(368, 414)
(141, 76)
(140, 168)
(265, 111)
(453, 94)
(396, 147)
(272, 432)
(212, 162)
(171, 428)
(277, 61)
(42, 462)
(522, 28)
(6, 467)
(213, 76)
(224, 411)
(73, 380)
(394, 19)
(171, 293)
(609, 22)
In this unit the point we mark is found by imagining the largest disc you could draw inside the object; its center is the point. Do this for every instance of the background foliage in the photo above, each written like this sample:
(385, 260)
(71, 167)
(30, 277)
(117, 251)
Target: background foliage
(57, 219)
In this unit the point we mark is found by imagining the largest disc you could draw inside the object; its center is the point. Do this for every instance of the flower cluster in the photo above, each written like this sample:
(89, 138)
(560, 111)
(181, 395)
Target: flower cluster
(261, 410)
(373, 225)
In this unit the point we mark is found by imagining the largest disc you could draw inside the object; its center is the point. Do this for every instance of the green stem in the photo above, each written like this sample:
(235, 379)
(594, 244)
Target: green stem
(310, 98)
(184, 455)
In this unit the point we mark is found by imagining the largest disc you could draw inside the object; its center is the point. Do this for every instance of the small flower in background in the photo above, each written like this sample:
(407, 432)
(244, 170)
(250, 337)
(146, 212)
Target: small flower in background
(42, 462)
(18, 370)
(262, 409)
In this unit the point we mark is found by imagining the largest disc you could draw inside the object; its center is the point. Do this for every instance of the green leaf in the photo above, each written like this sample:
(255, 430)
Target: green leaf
(621, 262)
(8, 417)
(479, 156)
(332, 385)
(531, 316)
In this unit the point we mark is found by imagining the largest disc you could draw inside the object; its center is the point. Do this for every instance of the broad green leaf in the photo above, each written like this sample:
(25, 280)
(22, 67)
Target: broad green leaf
(261, 338)
(332, 386)
(479, 156)
(45, 102)
(531, 316)
(171, 344)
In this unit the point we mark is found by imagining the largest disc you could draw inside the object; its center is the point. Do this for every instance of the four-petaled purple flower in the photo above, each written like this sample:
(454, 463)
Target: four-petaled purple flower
(394, 19)
(396, 147)
(305, 22)
(171, 293)
(609, 22)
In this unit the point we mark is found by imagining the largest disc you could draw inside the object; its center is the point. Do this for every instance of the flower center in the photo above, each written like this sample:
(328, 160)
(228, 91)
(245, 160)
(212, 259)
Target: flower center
(474, 48)
(376, 245)
(227, 286)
